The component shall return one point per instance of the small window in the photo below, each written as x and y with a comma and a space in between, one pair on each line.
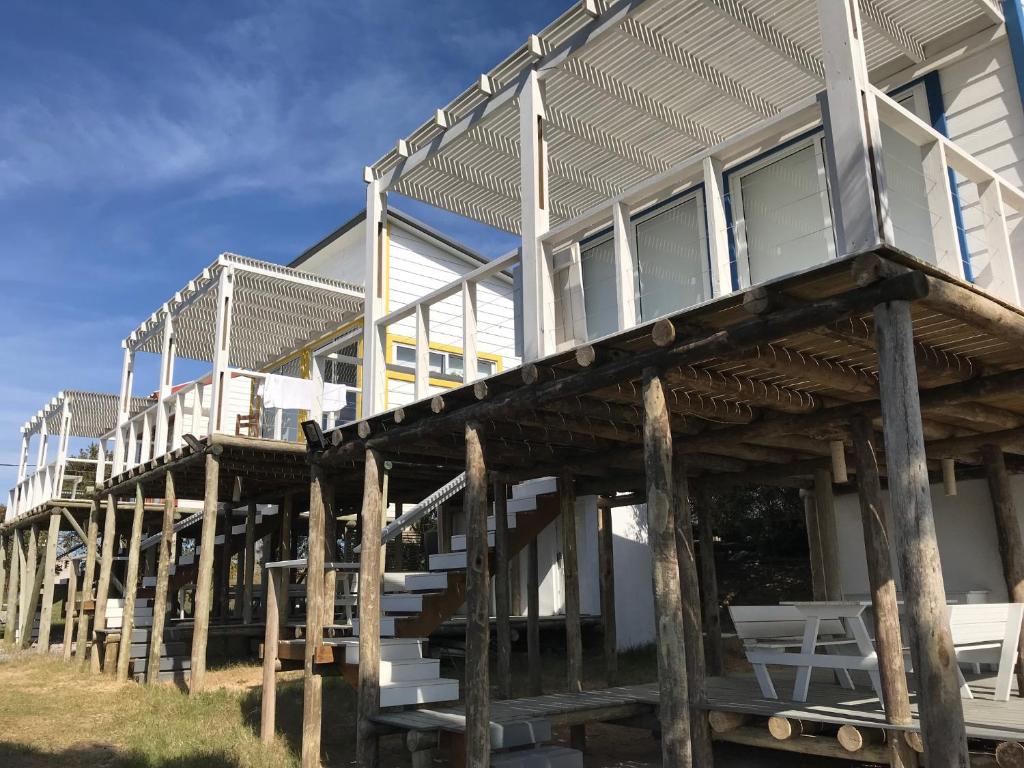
437, 363
405, 354
485, 367
448, 364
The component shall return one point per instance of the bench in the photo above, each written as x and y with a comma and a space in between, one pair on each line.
988, 633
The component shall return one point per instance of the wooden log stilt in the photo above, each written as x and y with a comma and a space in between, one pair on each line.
103, 583
271, 635
533, 619
855, 738
723, 722
69, 611
131, 584
818, 580
49, 572
284, 552
672, 682
163, 575
693, 627
29, 589
92, 531
1010, 754
13, 588
223, 564
502, 593
941, 711
606, 566
570, 570
1008, 535
330, 554
371, 518
478, 629
825, 503
820, 747
3, 568
888, 642
713, 650
240, 566
249, 576
204, 574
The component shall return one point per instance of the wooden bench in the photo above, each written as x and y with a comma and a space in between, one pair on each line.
988, 633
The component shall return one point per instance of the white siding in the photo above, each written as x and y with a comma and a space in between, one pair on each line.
343, 259
634, 595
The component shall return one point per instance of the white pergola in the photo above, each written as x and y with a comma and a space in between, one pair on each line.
238, 313
614, 94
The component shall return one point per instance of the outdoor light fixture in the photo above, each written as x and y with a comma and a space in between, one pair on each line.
193, 442
314, 436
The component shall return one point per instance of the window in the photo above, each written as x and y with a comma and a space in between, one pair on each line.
671, 259
441, 364
599, 292
783, 217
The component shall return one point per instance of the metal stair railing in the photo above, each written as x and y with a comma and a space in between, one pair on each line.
454, 486
181, 525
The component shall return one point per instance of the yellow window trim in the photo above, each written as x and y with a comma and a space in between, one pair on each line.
309, 348
389, 375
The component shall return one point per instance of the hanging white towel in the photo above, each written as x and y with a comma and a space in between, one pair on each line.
335, 397
287, 392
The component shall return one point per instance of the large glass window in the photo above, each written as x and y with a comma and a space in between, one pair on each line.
671, 269
783, 222
598, 267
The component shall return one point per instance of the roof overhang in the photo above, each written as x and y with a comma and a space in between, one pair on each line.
274, 310
635, 86
93, 414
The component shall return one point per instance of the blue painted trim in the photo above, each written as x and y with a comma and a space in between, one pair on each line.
1013, 15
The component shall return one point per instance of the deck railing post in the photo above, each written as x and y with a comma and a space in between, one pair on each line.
167, 353
624, 240
92, 530
888, 642
469, 321
131, 583
221, 376
371, 515
375, 302
941, 711
204, 575
123, 408
478, 623
674, 708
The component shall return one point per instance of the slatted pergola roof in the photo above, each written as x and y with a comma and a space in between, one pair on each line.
93, 414
635, 86
275, 310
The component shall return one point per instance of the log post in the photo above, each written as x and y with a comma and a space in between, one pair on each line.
826, 507
693, 627
709, 586
818, 580
888, 643
674, 711
29, 589
371, 518
82, 644
3, 568
533, 618
941, 711
103, 584
13, 588
502, 594
240, 567
69, 611
606, 566
204, 575
249, 575
284, 552
223, 564
312, 688
478, 625
163, 575
49, 572
1008, 535
271, 635
331, 554
131, 583
570, 569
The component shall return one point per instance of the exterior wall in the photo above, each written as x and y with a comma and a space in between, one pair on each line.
342, 259
966, 534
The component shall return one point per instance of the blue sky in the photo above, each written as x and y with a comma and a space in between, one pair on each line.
140, 139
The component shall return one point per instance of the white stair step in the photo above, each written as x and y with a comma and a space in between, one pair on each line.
415, 582
187, 559
448, 562
510, 517
459, 541
391, 648
519, 506
404, 694
410, 670
541, 757
535, 487
387, 626
520, 733
401, 603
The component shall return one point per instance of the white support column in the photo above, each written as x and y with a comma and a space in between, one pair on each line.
221, 348
145, 438
132, 441
316, 373
20, 491
179, 421
421, 385
535, 217
124, 408
718, 227
625, 266
374, 302
852, 131
62, 446
163, 408
41, 461
101, 460
1002, 275
469, 311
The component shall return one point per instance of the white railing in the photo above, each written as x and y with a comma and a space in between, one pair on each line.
72, 478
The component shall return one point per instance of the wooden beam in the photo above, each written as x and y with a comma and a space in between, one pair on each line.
502, 594
204, 576
888, 642
533, 619
478, 625
367, 748
693, 626
755, 392
250, 562
131, 584
1008, 534
713, 650
674, 709
163, 576
606, 568
49, 570
103, 585
941, 711
82, 643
